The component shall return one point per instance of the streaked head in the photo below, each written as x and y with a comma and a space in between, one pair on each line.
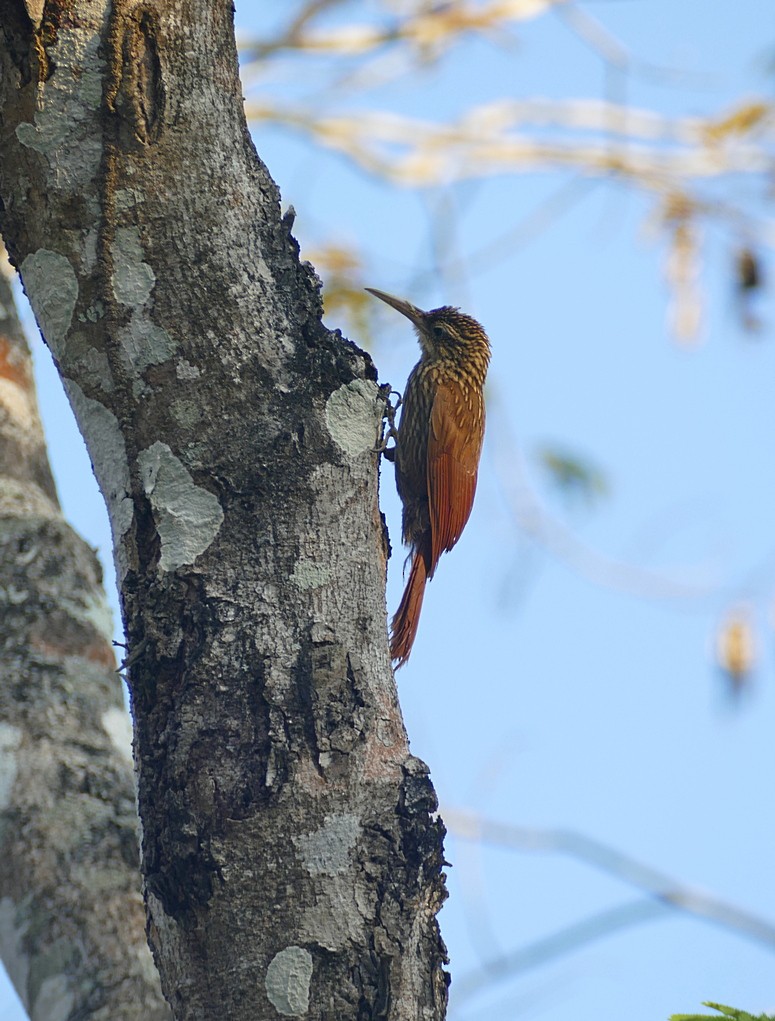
444, 332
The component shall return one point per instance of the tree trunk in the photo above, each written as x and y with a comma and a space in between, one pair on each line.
71, 915
291, 859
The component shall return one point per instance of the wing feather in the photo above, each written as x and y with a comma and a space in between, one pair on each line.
454, 445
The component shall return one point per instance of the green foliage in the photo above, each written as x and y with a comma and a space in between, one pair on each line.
572, 476
732, 1012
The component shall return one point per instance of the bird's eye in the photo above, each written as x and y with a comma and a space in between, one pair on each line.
438, 332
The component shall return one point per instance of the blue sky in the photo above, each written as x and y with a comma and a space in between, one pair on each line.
541, 692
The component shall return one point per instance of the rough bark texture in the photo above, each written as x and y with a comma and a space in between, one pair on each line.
71, 914
291, 857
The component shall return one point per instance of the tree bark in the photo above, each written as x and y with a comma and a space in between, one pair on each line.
71, 914
291, 855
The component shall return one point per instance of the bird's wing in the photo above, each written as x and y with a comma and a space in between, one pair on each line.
454, 445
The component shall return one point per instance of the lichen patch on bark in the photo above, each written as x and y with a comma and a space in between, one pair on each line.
187, 516
10, 739
133, 278
185, 370
352, 416
288, 980
52, 287
64, 107
15, 960
327, 850
54, 1001
145, 343
110, 462
307, 574
335, 920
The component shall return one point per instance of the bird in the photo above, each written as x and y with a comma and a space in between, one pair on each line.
438, 443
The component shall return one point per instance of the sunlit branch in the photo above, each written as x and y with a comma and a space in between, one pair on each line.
492, 138
565, 941
435, 27
665, 889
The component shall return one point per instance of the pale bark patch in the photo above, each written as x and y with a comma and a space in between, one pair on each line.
187, 516
35, 11
10, 739
109, 459
25, 499
52, 288
118, 727
288, 979
326, 851
54, 1001
352, 416
15, 961
133, 278
89, 251
16, 403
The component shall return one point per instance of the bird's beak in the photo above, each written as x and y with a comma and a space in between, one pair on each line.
406, 308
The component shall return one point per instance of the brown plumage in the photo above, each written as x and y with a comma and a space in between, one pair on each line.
437, 450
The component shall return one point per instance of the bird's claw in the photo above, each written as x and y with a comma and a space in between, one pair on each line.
389, 416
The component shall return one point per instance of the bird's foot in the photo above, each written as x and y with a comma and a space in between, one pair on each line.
389, 417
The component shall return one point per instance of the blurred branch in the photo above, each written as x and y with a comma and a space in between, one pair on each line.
434, 27
454, 269
594, 139
535, 520
613, 52
565, 941
663, 888
655, 151
289, 38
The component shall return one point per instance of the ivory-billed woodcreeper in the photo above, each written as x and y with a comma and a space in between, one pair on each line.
438, 443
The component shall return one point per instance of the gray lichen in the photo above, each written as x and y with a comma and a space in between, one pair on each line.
15, 960
187, 516
52, 287
288, 979
10, 739
307, 574
65, 105
352, 416
327, 850
108, 450
133, 278
144, 343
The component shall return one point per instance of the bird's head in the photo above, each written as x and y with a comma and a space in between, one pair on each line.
444, 333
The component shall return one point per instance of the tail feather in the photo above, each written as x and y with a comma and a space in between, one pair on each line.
403, 628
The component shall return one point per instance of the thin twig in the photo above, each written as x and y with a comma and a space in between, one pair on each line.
565, 941
534, 520
663, 888
613, 52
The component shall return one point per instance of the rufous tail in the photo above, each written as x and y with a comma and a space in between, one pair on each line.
403, 628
